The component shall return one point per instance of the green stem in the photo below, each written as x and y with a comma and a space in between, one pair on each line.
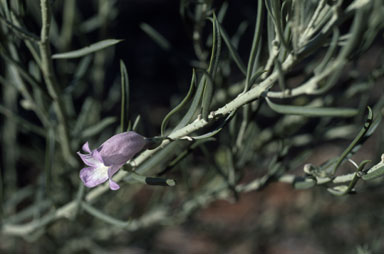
50, 81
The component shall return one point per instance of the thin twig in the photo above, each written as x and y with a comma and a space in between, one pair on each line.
50, 81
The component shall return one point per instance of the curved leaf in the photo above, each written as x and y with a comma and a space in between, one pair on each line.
232, 51
194, 105
311, 111
124, 96
356, 141
339, 190
181, 104
213, 65
86, 50
374, 172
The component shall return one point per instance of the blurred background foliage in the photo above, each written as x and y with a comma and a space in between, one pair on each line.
273, 109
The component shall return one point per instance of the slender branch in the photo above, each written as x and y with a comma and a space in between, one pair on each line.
50, 81
68, 210
24, 34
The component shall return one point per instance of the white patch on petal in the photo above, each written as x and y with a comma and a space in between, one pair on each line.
94, 176
100, 172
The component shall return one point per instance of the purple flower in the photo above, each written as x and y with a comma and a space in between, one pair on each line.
106, 160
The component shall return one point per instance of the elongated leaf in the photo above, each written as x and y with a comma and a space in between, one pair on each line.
87, 50
156, 36
232, 51
22, 122
159, 159
23, 72
374, 172
255, 44
102, 216
187, 98
20, 31
207, 95
212, 69
338, 190
136, 123
280, 72
49, 158
356, 141
217, 129
256, 75
311, 111
124, 96
81, 70
82, 117
303, 183
331, 50
355, 32
222, 11
274, 11
95, 129
194, 106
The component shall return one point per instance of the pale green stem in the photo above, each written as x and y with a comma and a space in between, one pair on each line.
49, 78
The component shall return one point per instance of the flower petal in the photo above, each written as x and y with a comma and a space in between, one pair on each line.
89, 160
121, 147
86, 148
106, 160
93, 176
113, 185
111, 171
96, 155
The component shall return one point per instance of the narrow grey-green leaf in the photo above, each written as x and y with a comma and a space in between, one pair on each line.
255, 44
311, 111
20, 31
280, 73
136, 123
102, 216
81, 70
124, 96
338, 190
82, 117
155, 36
374, 172
355, 32
304, 183
232, 51
274, 12
256, 75
87, 50
356, 141
331, 50
181, 155
159, 159
23, 72
207, 95
22, 122
212, 69
187, 98
95, 129
194, 105
217, 129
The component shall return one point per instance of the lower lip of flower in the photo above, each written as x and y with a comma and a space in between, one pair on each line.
99, 173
